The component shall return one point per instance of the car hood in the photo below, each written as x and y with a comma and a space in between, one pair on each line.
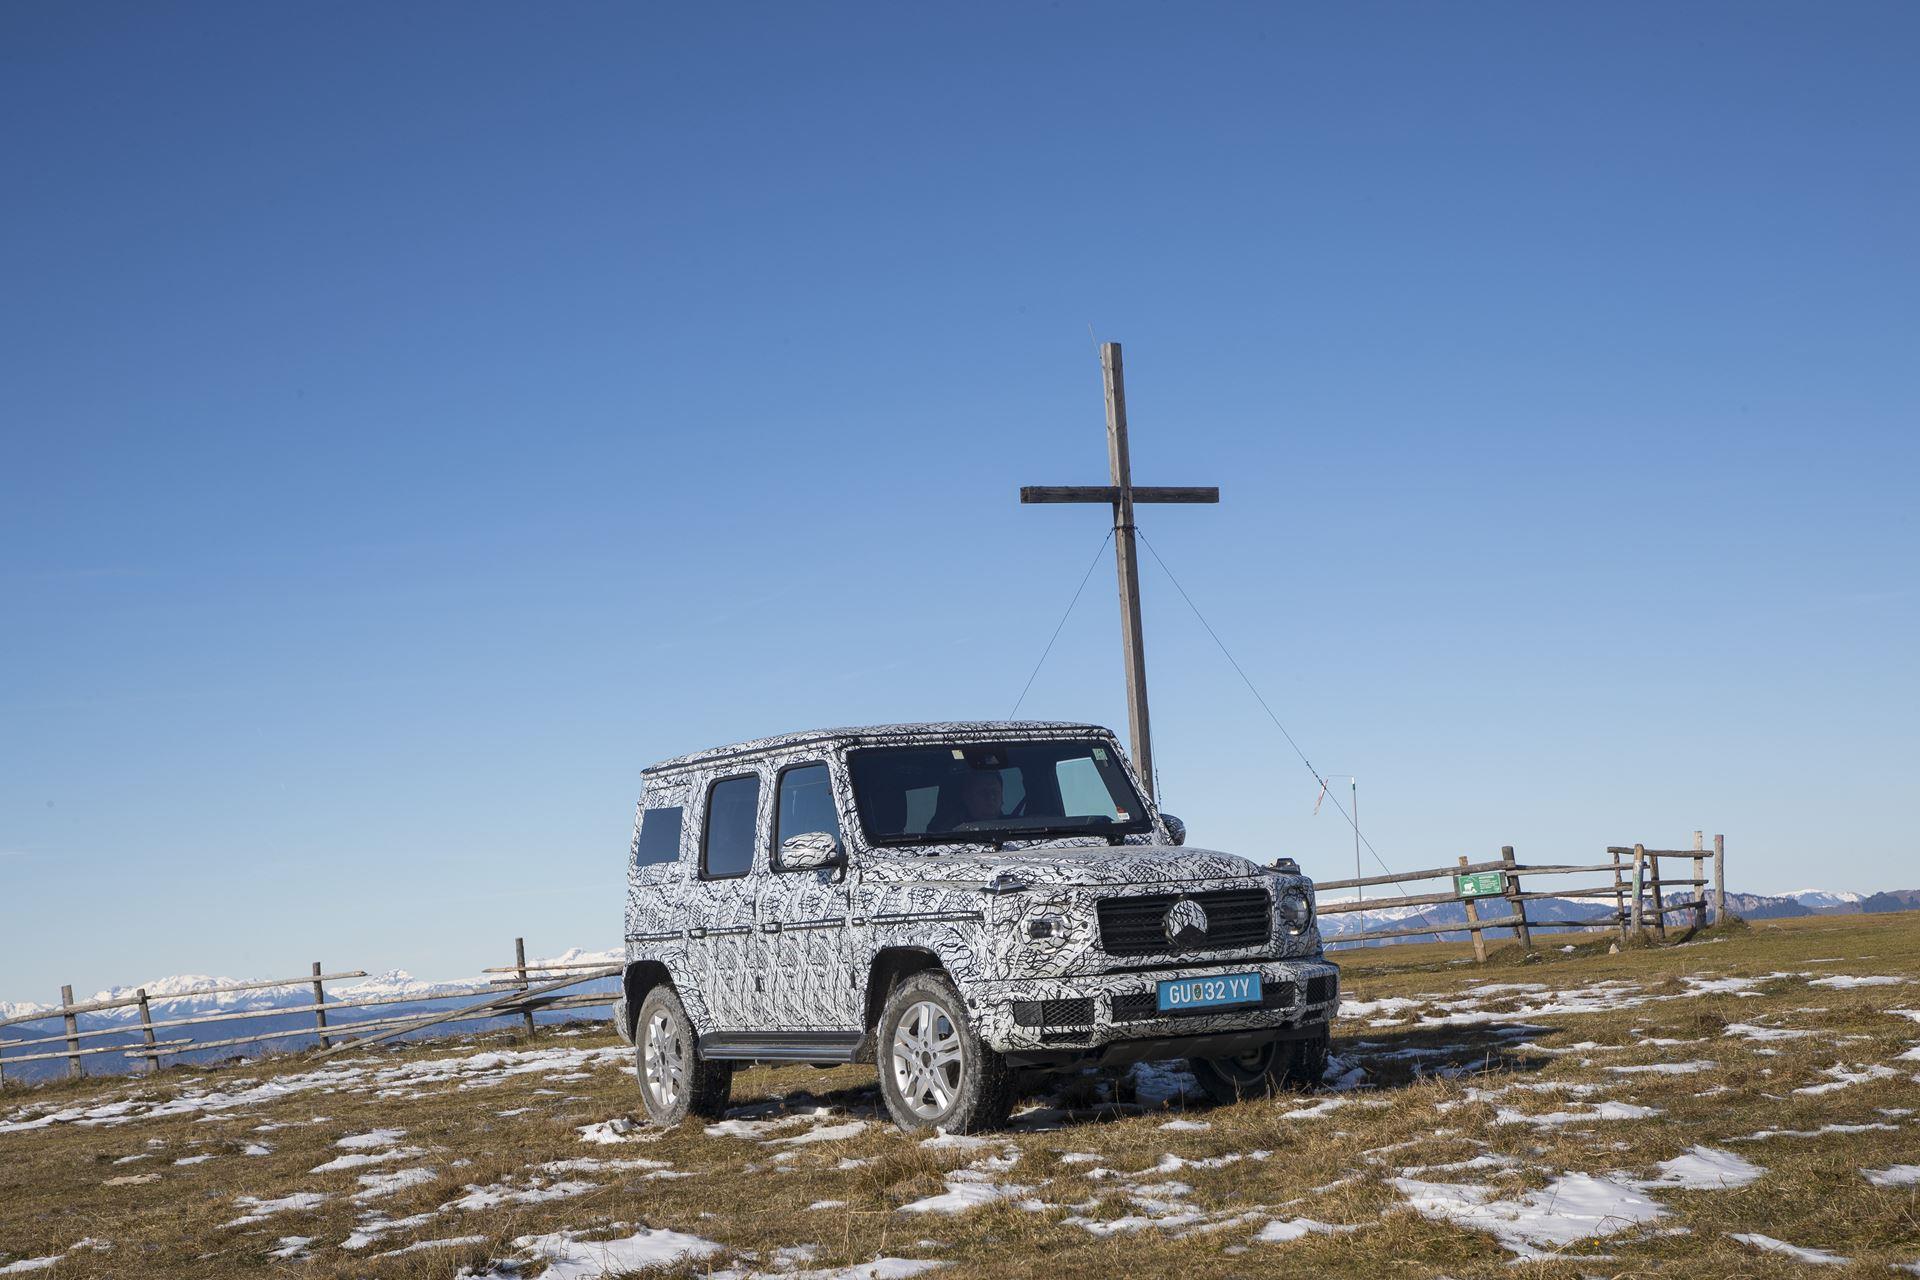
1087, 864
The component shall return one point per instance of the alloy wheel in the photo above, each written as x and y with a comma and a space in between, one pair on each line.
666, 1061
928, 1060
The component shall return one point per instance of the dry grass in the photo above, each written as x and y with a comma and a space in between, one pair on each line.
1434, 1094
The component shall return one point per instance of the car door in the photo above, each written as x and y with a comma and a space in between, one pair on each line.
803, 934
720, 903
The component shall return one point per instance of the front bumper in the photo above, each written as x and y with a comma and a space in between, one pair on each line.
1100, 1016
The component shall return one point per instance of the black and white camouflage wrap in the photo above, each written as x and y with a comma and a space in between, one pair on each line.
791, 951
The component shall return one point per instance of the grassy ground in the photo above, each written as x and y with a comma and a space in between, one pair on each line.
1453, 1069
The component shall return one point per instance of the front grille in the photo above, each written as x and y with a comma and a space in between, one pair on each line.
1144, 1006
1322, 987
1077, 1012
1137, 926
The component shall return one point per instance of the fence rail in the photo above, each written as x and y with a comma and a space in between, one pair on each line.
1637, 888
532, 988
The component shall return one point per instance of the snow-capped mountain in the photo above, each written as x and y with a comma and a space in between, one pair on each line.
1824, 900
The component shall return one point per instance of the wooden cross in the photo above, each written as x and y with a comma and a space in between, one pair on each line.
1123, 494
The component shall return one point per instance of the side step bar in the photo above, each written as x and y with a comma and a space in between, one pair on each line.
784, 1046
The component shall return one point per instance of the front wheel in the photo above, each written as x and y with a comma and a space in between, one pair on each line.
935, 1071
675, 1081
1275, 1066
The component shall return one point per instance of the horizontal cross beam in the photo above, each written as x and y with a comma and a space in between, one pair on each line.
1111, 493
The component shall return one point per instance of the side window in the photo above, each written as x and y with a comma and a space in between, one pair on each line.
659, 837
804, 803
726, 844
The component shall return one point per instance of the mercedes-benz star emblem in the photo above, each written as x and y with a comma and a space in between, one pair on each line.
1186, 923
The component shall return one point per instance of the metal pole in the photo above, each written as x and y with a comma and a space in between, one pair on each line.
1361, 891
1127, 563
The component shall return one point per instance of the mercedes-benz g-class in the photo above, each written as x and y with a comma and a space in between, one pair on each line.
961, 904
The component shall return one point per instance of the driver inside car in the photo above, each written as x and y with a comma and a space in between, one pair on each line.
982, 797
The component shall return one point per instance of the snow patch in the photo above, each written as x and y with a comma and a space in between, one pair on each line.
1899, 1175
1814, 1257
258, 1210
570, 1258
1574, 1207
1705, 1169
1281, 1230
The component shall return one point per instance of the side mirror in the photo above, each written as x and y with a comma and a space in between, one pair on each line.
811, 851
1176, 829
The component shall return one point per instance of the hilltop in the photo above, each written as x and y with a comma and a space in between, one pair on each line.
1730, 1106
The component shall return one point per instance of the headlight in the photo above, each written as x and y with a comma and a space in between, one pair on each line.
1296, 911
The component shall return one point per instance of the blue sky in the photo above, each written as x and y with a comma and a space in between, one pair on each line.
418, 418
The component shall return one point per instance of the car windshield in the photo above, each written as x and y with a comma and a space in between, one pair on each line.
957, 793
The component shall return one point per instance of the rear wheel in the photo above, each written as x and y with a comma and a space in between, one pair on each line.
675, 1081
1274, 1067
935, 1071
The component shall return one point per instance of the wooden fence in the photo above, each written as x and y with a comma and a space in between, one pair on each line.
526, 989
1636, 885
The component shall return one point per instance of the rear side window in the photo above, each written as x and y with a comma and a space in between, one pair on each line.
659, 837
733, 810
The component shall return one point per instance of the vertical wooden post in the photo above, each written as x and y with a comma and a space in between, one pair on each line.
1473, 923
520, 961
1719, 879
1511, 879
1659, 902
1128, 565
320, 1007
1639, 879
74, 1069
1619, 895
1699, 882
146, 1028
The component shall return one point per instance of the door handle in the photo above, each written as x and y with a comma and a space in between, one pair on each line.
771, 926
697, 933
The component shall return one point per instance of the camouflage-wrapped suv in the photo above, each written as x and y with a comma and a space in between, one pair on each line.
961, 904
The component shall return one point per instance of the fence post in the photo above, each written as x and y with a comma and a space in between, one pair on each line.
1473, 924
320, 1007
146, 1028
1719, 879
1619, 895
1659, 900
1639, 879
1699, 881
1511, 879
74, 1069
520, 961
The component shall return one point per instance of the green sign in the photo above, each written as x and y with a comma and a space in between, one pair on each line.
1478, 885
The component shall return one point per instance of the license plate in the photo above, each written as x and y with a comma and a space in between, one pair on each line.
1206, 993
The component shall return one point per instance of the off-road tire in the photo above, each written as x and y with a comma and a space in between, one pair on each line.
702, 1086
1276, 1067
979, 1094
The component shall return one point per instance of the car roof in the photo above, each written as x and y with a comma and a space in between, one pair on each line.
930, 730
